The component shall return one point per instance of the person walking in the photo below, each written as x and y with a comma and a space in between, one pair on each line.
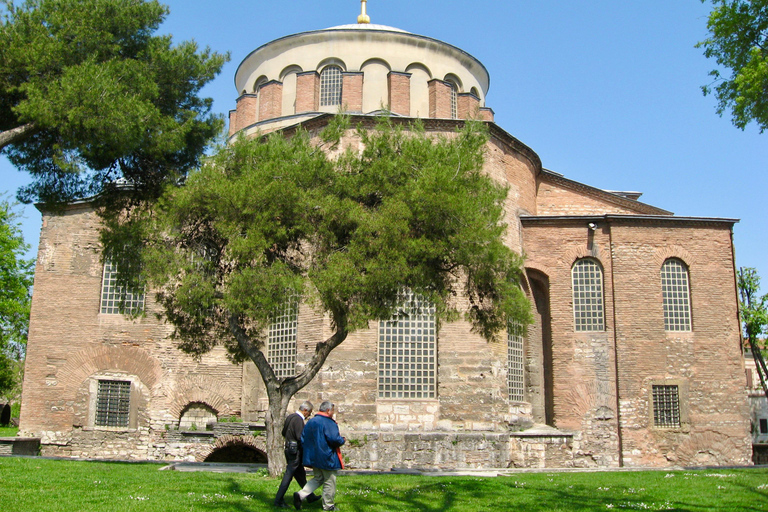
321, 441
294, 469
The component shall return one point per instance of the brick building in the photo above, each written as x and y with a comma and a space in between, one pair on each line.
634, 357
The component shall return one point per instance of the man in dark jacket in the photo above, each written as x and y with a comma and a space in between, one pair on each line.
292, 429
321, 441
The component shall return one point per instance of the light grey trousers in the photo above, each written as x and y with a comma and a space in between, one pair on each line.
326, 478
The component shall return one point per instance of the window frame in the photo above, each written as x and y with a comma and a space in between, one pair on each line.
331, 87
417, 380
115, 300
682, 404
515, 362
676, 302
588, 305
282, 339
132, 399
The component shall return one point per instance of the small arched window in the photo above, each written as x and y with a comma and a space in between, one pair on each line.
588, 312
330, 86
675, 295
454, 99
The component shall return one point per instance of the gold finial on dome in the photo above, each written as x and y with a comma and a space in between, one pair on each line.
363, 18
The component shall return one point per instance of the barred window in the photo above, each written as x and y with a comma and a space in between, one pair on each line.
666, 406
113, 403
407, 351
515, 366
587, 295
454, 100
763, 426
115, 299
330, 86
675, 296
281, 342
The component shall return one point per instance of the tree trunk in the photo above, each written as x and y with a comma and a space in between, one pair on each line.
280, 393
17, 134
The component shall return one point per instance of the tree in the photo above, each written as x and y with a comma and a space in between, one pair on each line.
738, 42
753, 311
15, 286
89, 96
274, 220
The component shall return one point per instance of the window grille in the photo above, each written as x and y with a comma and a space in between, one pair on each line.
675, 296
282, 339
407, 351
330, 86
113, 403
666, 406
115, 299
515, 364
454, 100
588, 296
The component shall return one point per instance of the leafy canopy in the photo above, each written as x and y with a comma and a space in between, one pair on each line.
737, 41
285, 216
752, 307
89, 95
15, 287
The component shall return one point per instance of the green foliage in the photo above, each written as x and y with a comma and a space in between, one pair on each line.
15, 296
738, 36
266, 220
753, 309
57, 485
100, 97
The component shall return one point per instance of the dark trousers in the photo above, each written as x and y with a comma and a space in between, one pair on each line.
293, 469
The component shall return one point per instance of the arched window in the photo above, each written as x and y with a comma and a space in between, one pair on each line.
281, 341
675, 295
587, 277
330, 86
408, 351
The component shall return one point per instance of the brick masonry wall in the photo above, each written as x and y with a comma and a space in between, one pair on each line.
71, 343
399, 93
352, 91
439, 99
247, 111
270, 100
308, 92
706, 362
468, 106
553, 199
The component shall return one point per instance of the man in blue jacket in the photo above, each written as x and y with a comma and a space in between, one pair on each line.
321, 441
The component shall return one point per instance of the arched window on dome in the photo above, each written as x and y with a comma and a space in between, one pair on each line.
675, 295
330, 86
588, 313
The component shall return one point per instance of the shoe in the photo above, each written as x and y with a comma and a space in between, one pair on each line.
297, 500
313, 498
281, 504
332, 508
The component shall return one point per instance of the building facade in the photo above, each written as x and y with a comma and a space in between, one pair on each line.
634, 358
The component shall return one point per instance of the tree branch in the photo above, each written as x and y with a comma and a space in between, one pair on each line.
17, 134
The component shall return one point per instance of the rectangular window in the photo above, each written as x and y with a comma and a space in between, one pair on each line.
115, 299
113, 401
666, 406
763, 425
281, 350
407, 351
515, 362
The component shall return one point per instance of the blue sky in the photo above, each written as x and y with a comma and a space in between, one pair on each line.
605, 92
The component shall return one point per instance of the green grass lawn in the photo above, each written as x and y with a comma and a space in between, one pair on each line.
8, 431
46, 485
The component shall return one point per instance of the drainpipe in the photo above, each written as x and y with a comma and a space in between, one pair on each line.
615, 345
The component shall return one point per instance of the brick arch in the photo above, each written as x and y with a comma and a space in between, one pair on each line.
89, 361
197, 389
576, 253
256, 442
662, 254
